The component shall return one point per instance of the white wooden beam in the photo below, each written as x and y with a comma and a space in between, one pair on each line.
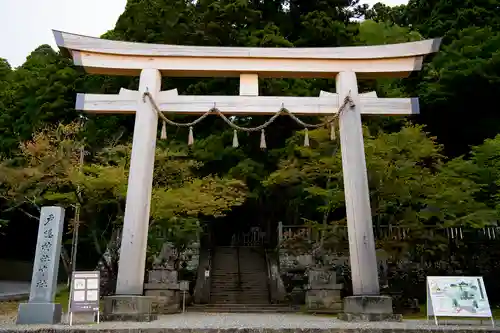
111, 64
389, 106
249, 85
323, 93
69, 41
244, 105
102, 56
134, 94
371, 104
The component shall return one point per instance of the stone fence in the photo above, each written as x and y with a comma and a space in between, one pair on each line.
393, 232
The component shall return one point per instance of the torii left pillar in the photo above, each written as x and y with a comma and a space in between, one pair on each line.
129, 304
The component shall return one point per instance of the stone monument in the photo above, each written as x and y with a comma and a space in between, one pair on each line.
323, 292
163, 282
41, 308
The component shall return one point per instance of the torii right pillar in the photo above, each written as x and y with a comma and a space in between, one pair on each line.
366, 302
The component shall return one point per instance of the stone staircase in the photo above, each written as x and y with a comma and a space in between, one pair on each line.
249, 286
239, 290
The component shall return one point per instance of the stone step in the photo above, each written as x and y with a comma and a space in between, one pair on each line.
242, 283
237, 292
238, 301
243, 275
245, 308
230, 272
243, 280
238, 287
247, 286
247, 299
234, 299
223, 284
238, 296
235, 289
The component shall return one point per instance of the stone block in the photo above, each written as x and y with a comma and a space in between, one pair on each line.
129, 308
320, 278
363, 317
368, 304
305, 260
161, 286
39, 313
162, 276
171, 295
165, 301
368, 308
324, 300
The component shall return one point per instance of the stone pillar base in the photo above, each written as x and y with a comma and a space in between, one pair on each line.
128, 308
39, 313
368, 308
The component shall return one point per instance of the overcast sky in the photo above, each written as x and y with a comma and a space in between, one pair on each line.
26, 24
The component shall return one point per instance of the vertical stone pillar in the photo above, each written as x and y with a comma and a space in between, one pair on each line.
366, 304
40, 308
132, 262
357, 200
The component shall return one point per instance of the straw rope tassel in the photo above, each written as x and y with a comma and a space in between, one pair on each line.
263, 139
235, 139
332, 131
163, 134
306, 137
191, 136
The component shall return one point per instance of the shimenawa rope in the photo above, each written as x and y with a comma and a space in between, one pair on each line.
283, 111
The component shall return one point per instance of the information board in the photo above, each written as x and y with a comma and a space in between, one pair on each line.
457, 296
84, 295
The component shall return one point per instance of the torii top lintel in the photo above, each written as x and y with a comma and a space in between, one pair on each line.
101, 56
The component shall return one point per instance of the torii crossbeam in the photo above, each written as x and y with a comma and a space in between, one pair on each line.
151, 61
169, 101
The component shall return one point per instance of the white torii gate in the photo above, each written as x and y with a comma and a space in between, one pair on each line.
151, 61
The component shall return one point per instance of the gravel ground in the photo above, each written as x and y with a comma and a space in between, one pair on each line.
207, 322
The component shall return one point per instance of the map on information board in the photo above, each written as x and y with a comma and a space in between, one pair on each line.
84, 293
457, 296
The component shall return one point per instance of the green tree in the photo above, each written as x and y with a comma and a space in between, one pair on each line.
410, 186
458, 88
41, 92
447, 18
48, 170
5, 69
386, 14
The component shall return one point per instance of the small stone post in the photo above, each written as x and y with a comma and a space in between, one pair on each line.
280, 232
